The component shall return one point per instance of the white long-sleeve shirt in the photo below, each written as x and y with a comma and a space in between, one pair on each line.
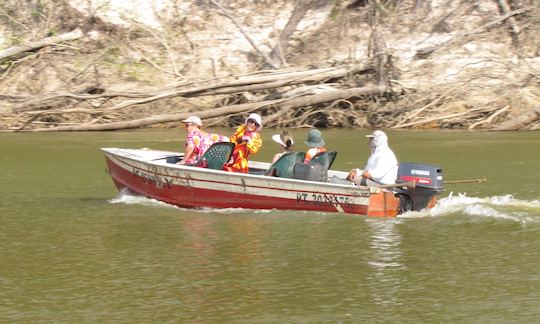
382, 165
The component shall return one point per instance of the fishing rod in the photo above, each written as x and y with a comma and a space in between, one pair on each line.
479, 180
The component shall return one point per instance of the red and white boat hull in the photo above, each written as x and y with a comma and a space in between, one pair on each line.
147, 173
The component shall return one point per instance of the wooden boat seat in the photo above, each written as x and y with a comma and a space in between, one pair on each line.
216, 156
324, 159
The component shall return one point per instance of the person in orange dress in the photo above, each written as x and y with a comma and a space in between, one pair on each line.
315, 143
248, 141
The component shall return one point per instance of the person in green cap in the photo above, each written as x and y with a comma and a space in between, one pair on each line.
315, 143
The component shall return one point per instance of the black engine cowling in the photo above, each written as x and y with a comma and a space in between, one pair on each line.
429, 183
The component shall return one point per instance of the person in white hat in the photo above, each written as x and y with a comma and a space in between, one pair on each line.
382, 165
197, 141
248, 141
286, 141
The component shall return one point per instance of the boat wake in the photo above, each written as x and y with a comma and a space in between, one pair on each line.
478, 209
125, 197
473, 209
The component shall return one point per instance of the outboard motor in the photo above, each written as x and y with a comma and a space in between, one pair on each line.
429, 183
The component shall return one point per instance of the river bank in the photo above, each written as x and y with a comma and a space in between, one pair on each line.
401, 64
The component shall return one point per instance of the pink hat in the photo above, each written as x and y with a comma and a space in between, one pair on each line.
193, 119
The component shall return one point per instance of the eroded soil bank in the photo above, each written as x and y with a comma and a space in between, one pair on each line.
95, 65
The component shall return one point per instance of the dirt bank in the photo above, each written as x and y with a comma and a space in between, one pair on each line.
83, 65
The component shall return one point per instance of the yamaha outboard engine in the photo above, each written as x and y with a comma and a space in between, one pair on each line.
429, 183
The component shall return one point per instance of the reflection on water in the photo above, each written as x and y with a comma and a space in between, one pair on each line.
385, 243
69, 252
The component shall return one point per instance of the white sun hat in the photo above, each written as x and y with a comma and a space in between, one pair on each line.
193, 119
257, 118
378, 134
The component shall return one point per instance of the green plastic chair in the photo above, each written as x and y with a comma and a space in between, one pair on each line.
216, 156
324, 158
283, 167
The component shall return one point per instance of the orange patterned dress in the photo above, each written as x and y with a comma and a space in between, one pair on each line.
246, 144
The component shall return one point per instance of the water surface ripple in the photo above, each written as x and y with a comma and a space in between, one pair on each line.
75, 250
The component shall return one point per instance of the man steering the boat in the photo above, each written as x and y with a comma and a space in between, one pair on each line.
248, 141
382, 165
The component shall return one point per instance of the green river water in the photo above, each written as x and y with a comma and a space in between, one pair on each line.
74, 250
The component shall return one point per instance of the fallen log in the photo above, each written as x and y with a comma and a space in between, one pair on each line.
519, 122
282, 104
236, 85
158, 119
437, 118
328, 96
31, 46
490, 119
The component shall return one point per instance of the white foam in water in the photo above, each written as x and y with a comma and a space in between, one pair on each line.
497, 207
124, 197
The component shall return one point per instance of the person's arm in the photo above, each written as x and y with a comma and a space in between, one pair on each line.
188, 152
237, 136
276, 157
367, 175
254, 144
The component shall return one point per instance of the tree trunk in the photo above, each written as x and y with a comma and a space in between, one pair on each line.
277, 56
15, 50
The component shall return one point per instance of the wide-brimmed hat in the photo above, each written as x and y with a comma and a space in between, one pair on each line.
257, 118
283, 138
314, 138
193, 119
378, 134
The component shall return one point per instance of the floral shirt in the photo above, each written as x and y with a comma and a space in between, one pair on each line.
201, 141
198, 139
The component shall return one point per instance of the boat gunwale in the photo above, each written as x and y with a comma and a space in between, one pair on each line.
163, 164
